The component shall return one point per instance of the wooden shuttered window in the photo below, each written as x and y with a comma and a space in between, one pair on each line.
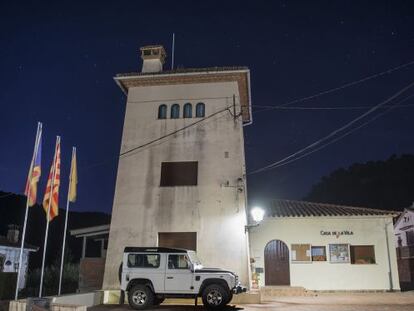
179, 174
362, 254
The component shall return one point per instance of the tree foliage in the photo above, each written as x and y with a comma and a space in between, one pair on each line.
376, 184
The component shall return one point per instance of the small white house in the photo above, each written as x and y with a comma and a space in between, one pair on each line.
10, 251
404, 228
324, 247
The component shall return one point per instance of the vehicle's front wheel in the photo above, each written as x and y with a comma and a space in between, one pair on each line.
215, 296
140, 297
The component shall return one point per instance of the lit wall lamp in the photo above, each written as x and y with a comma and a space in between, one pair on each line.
257, 215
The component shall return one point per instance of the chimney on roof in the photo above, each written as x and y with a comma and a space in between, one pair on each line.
153, 57
13, 234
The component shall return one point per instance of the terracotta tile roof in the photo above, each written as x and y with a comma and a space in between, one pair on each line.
289, 208
5, 242
183, 70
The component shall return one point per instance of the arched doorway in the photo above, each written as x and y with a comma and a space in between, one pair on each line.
276, 258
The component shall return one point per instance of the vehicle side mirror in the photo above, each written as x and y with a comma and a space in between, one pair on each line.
192, 267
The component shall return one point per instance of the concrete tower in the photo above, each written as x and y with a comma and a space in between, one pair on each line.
185, 186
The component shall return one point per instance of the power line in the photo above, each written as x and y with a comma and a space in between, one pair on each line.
328, 108
270, 108
335, 132
7, 195
159, 138
341, 87
336, 139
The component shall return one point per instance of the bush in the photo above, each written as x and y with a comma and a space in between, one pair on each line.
51, 281
7, 285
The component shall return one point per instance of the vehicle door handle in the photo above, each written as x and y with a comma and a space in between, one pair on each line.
170, 277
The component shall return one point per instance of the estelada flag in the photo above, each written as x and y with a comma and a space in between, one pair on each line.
35, 170
52, 190
73, 179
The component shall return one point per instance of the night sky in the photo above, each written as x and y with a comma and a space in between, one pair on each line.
57, 60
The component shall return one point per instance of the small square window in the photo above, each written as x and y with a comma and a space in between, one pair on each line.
339, 253
362, 254
318, 253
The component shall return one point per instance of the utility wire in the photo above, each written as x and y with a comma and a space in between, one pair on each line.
271, 108
328, 108
159, 138
335, 132
336, 139
331, 142
346, 85
7, 195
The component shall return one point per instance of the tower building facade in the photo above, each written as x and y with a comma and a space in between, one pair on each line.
181, 175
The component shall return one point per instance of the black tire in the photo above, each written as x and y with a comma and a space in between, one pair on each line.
215, 296
229, 298
158, 301
140, 297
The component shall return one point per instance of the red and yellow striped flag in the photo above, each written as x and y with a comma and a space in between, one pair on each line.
53, 190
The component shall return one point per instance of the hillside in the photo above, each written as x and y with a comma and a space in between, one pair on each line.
12, 210
385, 184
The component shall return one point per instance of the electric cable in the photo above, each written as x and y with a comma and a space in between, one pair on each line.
344, 86
335, 132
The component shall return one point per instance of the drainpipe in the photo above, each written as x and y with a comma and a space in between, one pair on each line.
389, 258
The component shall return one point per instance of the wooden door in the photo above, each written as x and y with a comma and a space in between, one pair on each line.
276, 256
186, 240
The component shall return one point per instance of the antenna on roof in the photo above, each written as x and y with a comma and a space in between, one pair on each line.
172, 51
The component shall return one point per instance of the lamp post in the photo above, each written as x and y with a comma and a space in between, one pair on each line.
257, 215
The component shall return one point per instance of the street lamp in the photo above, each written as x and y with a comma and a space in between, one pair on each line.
257, 215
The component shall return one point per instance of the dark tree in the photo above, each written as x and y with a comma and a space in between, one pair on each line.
377, 184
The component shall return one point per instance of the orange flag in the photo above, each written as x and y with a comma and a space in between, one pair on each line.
52, 191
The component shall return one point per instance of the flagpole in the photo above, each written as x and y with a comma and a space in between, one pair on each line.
48, 216
37, 140
66, 224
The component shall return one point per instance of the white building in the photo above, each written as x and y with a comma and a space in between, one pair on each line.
404, 228
10, 251
324, 247
181, 178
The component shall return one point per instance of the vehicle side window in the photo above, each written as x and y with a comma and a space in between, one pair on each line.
143, 260
178, 262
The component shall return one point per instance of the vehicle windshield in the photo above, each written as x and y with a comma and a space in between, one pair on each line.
194, 259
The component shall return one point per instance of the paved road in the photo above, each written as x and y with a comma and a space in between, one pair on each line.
322, 302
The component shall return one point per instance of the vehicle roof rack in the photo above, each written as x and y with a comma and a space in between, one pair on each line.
131, 249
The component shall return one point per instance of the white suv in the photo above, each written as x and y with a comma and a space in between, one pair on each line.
149, 275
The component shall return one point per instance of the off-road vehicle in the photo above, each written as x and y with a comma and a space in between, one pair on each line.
149, 275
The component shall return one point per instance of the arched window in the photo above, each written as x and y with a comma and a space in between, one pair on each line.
200, 110
188, 110
162, 112
175, 111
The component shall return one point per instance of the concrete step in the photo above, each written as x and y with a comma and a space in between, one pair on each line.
283, 291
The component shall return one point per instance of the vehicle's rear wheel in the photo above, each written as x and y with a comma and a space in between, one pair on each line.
140, 297
215, 296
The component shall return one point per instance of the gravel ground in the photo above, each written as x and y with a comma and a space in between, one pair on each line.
322, 302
